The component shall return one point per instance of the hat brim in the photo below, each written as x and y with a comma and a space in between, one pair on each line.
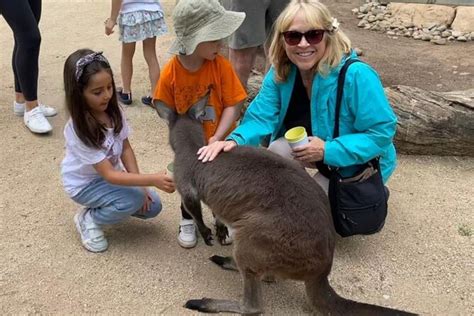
221, 28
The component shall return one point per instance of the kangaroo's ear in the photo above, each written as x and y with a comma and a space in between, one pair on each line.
197, 110
164, 111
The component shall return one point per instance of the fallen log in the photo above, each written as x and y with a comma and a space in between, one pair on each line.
433, 123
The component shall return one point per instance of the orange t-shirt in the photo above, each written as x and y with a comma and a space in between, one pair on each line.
180, 89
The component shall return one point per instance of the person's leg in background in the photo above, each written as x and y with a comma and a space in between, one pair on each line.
149, 52
126, 67
244, 42
23, 17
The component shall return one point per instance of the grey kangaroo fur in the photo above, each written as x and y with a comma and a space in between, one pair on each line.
281, 217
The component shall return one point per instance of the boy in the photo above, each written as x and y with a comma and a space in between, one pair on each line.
198, 70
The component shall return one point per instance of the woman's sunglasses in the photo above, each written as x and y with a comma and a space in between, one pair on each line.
313, 37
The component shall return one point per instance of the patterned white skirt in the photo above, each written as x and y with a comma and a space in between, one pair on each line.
140, 25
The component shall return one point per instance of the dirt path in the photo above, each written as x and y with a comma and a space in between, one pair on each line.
421, 261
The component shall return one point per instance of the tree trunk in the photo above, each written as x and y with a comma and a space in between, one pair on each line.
433, 123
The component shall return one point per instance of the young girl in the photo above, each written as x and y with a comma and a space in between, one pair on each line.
199, 71
139, 20
99, 170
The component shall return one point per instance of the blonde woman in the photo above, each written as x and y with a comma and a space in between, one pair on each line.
307, 52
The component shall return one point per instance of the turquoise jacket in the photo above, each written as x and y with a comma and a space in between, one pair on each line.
367, 122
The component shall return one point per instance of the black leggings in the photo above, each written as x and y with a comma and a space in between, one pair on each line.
23, 17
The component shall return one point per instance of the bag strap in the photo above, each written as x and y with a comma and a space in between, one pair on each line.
340, 87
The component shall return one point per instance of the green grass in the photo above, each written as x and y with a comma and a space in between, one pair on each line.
465, 230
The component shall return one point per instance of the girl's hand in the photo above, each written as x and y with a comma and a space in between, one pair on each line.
163, 182
146, 204
209, 152
311, 152
109, 26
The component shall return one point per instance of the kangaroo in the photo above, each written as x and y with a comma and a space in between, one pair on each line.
281, 217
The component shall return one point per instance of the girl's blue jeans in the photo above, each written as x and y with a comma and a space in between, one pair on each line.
110, 204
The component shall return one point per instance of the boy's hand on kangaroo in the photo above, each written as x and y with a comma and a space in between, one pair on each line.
164, 182
209, 152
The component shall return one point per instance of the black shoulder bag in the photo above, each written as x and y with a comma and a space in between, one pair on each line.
358, 203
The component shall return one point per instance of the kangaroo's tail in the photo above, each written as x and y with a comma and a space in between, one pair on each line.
323, 298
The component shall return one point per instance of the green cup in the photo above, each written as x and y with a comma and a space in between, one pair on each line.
170, 169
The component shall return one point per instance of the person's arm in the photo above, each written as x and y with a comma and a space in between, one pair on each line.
128, 158
229, 116
132, 177
374, 120
112, 20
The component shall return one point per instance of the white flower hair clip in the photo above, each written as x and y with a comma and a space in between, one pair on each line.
334, 25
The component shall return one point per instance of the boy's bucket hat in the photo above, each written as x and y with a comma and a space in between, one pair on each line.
197, 21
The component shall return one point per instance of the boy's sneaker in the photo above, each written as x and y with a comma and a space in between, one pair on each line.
92, 236
187, 233
19, 109
36, 121
147, 100
124, 98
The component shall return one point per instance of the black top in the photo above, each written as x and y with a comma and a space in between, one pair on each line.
299, 110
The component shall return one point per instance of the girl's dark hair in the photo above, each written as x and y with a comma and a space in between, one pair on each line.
89, 130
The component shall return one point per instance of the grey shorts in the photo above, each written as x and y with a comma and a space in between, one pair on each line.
260, 16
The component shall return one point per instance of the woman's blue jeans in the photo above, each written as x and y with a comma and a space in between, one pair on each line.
110, 204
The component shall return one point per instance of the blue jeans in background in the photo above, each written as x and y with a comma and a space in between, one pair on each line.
110, 204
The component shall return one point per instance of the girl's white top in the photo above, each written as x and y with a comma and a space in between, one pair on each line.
77, 169
140, 5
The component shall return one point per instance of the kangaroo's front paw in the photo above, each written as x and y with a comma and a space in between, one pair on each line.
207, 236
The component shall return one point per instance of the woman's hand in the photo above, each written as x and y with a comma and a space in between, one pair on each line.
209, 152
311, 152
109, 26
163, 182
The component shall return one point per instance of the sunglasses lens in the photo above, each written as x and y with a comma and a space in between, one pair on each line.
314, 36
292, 38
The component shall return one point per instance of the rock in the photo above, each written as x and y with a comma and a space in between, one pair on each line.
355, 11
426, 37
456, 33
446, 34
439, 41
407, 34
417, 36
362, 23
371, 18
436, 37
422, 14
464, 21
441, 28
451, 38
391, 33
462, 38
364, 8
379, 17
360, 16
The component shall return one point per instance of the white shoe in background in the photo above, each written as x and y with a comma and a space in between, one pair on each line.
19, 109
36, 121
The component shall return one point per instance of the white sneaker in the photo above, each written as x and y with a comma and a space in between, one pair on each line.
19, 109
92, 236
187, 233
36, 121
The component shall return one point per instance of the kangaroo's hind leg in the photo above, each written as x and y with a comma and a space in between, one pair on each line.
192, 205
251, 305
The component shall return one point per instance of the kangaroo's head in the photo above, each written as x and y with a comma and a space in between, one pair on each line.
185, 129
